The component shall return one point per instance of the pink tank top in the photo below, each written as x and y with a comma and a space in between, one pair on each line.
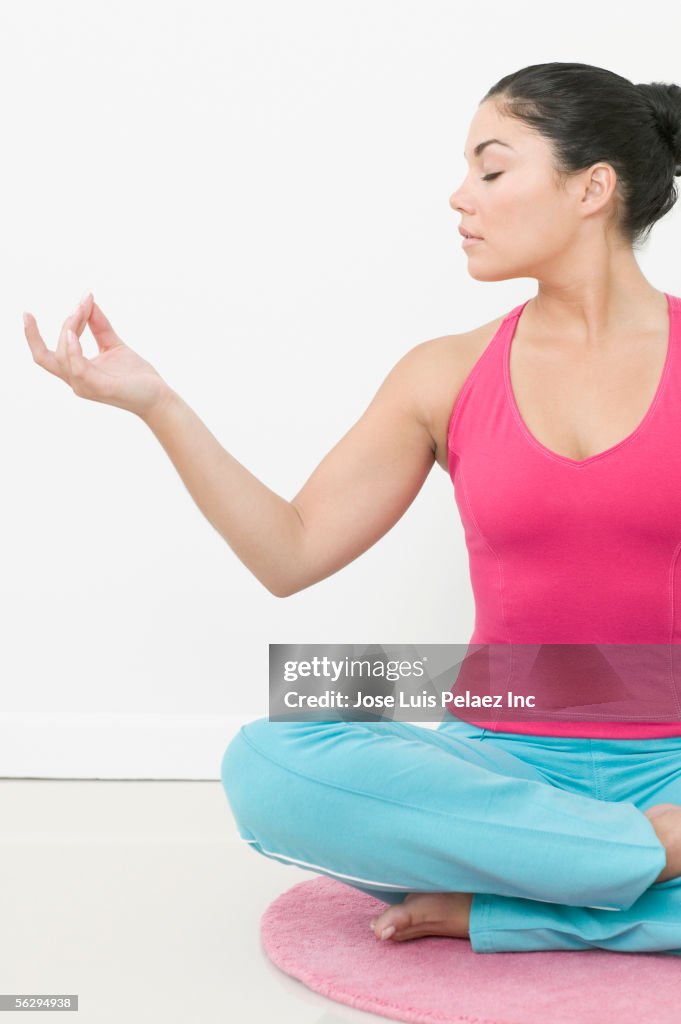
565, 551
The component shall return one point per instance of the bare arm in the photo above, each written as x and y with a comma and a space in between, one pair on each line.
369, 479
262, 528
355, 495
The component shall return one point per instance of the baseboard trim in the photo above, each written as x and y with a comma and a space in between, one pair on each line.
65, 745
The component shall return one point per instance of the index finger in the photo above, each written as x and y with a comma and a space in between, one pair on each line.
41, 354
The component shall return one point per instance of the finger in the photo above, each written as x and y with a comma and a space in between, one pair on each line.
103, 332
73, 357
85, 379
75, 321
41, 353
82, 312
77, 318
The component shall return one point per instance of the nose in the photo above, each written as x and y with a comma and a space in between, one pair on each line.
457, 200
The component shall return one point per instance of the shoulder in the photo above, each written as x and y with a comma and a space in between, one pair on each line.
434, 372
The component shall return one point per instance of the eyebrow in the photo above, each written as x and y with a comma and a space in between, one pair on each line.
488, 142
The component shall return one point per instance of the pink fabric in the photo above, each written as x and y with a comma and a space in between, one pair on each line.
563, 551
318, 932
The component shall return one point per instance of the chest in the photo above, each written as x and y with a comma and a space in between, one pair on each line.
578, 402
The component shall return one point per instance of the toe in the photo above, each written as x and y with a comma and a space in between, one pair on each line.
395, 917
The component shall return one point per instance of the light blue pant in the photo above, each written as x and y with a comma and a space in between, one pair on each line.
548, 832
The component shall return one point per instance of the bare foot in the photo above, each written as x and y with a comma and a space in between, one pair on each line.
448, 913
426, 913
666, 820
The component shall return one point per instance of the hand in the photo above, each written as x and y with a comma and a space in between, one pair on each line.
117, 376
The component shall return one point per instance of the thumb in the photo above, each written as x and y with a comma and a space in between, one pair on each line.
104, 334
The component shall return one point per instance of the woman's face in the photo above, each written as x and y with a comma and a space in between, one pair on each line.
529, 225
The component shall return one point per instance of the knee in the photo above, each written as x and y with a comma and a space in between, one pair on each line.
250, 771
234, 765
261, 741
257, 766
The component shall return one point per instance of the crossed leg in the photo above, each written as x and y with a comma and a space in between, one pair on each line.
394, 809
504, 924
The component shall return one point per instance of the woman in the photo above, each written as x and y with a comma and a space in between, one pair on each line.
548, 419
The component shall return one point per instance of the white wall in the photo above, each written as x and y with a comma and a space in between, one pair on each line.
257, 194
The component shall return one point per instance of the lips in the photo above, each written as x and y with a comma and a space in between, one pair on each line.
467, 234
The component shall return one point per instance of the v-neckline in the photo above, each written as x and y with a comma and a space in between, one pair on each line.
607, 451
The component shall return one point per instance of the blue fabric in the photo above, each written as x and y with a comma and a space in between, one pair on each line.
547, 831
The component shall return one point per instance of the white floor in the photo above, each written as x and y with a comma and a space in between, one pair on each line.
140, 898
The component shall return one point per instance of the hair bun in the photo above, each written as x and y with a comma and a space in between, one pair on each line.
664, 102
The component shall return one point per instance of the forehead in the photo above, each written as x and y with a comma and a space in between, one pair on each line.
510, 135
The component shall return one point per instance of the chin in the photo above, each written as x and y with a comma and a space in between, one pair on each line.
487, 274
479, 270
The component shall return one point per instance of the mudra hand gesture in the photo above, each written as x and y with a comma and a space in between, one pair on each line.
116, 376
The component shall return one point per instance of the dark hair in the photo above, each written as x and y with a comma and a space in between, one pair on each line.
590, 114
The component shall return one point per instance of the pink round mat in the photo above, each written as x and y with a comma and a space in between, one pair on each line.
318, 932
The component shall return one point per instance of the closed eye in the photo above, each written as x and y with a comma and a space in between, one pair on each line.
489, 177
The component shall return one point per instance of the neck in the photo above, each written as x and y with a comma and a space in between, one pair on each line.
599, 301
